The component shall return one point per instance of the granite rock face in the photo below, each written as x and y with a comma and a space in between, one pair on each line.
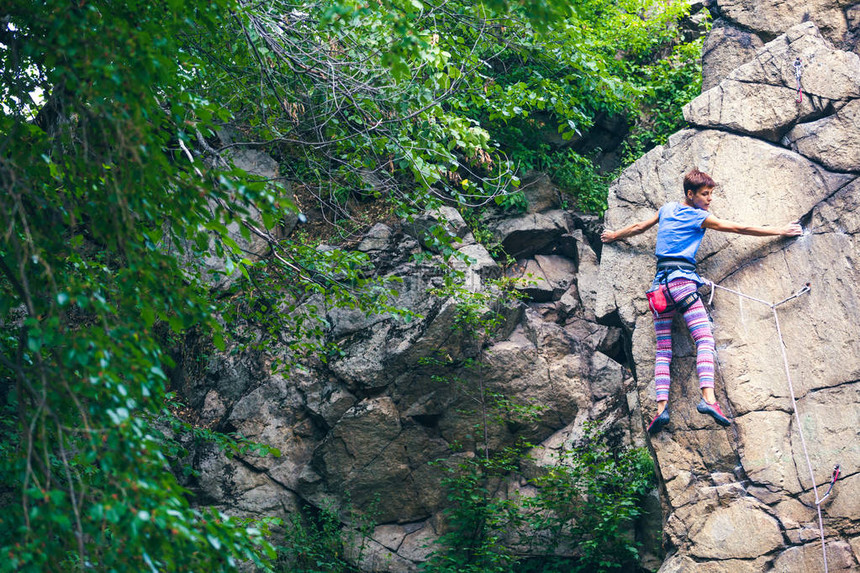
773, 17
833, 141
741, 27
740, 498
358, 432
759, 98
726, 47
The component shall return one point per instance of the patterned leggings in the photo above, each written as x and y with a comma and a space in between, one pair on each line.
699, 325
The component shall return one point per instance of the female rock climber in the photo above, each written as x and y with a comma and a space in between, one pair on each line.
681, 227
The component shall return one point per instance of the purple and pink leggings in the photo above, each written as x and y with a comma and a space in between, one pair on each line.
699, 325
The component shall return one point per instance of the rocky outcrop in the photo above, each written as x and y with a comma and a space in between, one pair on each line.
358, 432
740, 499
741, 27
759, 97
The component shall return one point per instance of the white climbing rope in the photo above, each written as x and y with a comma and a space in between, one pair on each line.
773, 306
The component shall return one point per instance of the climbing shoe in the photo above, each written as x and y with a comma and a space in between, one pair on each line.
658, 422
713, 410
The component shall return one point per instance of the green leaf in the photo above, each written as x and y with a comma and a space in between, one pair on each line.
148, 315
218, 341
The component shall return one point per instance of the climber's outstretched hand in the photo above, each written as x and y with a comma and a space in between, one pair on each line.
792, 229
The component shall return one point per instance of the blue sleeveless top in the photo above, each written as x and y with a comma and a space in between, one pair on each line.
679, 234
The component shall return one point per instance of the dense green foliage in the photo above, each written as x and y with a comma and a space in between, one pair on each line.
579, 518
451, 100
114, 182
92, 195
540, 91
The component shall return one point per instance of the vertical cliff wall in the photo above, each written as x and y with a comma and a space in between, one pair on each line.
359, 431
739, 499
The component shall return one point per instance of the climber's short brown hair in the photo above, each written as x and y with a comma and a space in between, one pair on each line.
696, 180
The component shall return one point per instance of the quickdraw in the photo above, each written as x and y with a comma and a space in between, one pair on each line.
798, 72
833, 479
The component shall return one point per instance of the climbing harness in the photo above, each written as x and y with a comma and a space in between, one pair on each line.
798, 72
773, 305
659, 296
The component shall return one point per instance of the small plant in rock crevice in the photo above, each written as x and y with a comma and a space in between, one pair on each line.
317, 541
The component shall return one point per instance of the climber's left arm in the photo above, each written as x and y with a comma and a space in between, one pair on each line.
788, 230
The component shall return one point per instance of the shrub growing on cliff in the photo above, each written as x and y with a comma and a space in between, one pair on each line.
478, 519
589, 501
315, 541
580, 517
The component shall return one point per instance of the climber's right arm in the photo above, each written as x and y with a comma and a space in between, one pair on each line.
629, 231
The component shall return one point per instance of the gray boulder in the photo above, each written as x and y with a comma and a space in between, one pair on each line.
377, 238
531, 234
833, 141
541, 194
444, 221
759, 97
